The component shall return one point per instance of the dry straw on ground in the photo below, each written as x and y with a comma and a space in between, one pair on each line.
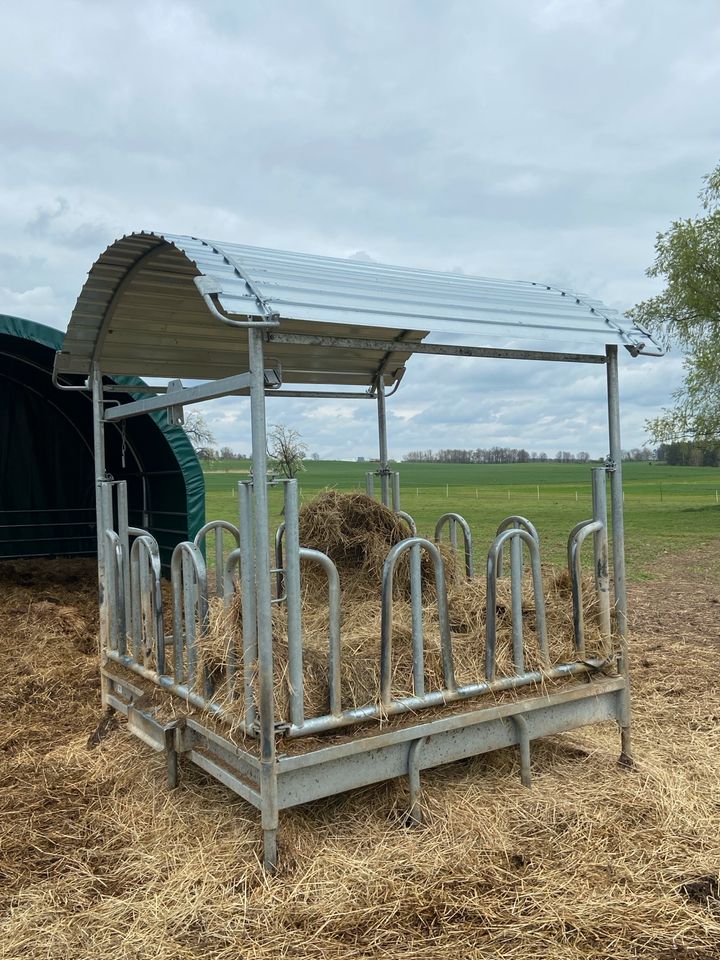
99, 859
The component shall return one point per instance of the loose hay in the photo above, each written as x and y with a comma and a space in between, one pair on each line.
357, 533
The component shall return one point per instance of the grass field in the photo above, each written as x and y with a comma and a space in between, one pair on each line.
666, 508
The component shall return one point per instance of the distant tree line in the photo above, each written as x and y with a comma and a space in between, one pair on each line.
492, 455
687, 453
517, 455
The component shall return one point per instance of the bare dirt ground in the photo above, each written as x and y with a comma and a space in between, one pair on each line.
98, 858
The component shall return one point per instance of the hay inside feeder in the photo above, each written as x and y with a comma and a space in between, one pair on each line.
357, 533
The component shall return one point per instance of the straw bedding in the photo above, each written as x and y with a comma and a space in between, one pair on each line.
98, 858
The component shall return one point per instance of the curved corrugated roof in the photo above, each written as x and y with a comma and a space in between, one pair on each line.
140, 311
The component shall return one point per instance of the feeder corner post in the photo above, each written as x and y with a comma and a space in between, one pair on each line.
383, 441
263, 595
101, 521
614, 468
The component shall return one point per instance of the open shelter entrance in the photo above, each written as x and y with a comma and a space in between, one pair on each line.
262, 323
47, 469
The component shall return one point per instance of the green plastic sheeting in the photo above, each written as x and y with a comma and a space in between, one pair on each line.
47, 489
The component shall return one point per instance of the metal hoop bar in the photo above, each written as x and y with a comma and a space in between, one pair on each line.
218, 526
454, 520
188, 575
575, 542
334, 647
601, 554
515, 521
491, 612
116, 590
387, 616
291, 575
409, 520
279, 583
146, 598
231, 564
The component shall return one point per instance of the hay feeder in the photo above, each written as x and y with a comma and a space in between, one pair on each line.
251, 322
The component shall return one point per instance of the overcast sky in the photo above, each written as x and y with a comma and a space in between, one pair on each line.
544, 140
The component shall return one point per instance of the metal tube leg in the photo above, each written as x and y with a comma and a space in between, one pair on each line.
171, 757
263, 593
396, 491
101, 520
383, 444
415, 817
618, 547
270, 850
524, 744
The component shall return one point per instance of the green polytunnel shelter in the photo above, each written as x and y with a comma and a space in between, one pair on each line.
47, 489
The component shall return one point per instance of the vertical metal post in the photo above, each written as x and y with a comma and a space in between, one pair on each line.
418, 652
370, 485
247, 585
600, 550
292, 591
396, 492
383, 444
263, 594
618, 541
100, 520
219, 561
122, 528
516, 580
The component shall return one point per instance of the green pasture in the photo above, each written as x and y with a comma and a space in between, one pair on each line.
667, 509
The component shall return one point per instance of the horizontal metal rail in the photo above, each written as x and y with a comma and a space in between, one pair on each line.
438, 698
434, 349
180, 396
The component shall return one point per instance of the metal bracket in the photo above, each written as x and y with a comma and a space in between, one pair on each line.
175, 413
415, 816
610, 465
521, 727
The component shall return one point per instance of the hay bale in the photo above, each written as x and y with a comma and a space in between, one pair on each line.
357, 533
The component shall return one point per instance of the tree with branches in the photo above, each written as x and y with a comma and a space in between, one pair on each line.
286, 450
199, 433
687, 314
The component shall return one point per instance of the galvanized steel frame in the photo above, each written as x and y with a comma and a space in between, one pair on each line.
129, 603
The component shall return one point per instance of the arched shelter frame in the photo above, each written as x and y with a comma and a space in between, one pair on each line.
255, 322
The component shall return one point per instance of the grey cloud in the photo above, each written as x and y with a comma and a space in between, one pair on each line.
520, 139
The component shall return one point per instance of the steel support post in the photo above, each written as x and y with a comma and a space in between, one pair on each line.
263, 593
383, 444
101, 520
618, 541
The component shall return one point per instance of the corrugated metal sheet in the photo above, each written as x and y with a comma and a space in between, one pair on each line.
140, 312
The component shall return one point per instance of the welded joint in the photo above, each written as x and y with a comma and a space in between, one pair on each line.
523, 735
415, 815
